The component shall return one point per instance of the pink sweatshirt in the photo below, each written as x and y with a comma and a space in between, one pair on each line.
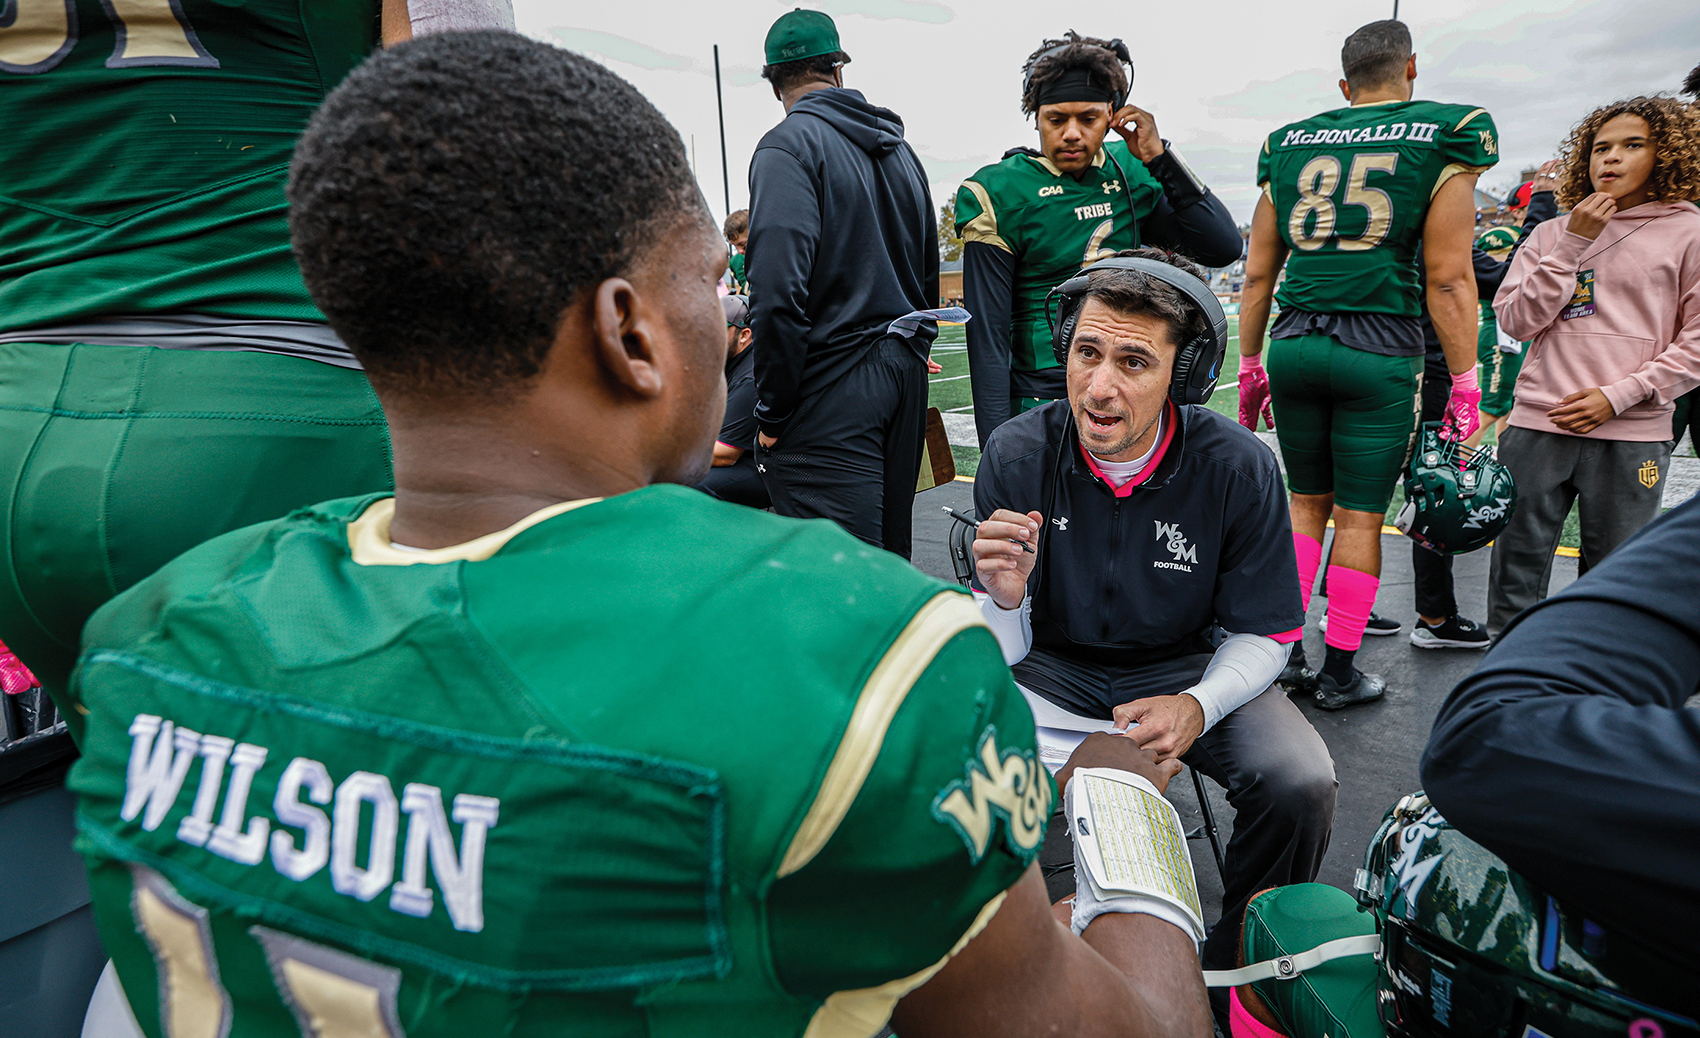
1636, 336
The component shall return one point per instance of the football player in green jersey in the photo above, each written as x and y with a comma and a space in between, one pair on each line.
488, 760
1347, 196
1030, 221
167, 376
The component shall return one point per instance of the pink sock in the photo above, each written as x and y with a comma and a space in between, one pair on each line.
1309, 551
1240, 1021
1351, 596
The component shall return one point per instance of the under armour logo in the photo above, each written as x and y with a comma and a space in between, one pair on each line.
1111, 186
1060, 522
760, 467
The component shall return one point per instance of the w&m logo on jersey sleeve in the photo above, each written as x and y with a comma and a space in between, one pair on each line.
1010, 784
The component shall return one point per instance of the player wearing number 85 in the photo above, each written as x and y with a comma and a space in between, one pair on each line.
1347, 196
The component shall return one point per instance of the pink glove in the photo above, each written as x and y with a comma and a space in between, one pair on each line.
1254, 393
14, 676
1463, 407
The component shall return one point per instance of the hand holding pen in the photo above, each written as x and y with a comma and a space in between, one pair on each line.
1004, 554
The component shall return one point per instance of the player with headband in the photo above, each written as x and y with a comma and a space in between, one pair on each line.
1033, 219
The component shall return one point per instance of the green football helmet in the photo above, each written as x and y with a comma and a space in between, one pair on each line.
1457, 498
1471, 949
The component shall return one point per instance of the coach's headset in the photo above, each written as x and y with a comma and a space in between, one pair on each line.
1198, 361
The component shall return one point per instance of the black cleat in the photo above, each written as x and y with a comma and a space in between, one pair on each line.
1297, 679
1364, 688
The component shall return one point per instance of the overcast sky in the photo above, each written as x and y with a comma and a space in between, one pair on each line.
1218, 76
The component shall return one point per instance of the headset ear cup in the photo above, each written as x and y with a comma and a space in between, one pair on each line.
1064, 333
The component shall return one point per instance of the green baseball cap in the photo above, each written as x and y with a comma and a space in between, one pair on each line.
801, 34
1497, 239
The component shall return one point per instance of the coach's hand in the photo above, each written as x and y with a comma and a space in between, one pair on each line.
1167, 724
999, 560
1581, 413
1103, 750
1139, 129
1591, 215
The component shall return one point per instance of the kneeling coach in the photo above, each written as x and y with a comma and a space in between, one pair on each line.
1160, 592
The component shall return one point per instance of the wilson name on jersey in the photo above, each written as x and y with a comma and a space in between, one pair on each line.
1351, 189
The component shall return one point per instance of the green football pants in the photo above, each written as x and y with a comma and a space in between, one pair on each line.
115, 459
1499, 379
1337, 998
1346, 418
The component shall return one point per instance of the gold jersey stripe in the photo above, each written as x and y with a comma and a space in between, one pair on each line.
1466, 120
984, 228
369, 537
864, 1012
946, 615
1453, 170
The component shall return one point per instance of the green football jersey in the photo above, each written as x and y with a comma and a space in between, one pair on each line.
1053, 225
651, 765
146, 146
1351, 189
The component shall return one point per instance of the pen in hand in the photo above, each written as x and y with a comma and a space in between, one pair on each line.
946, 509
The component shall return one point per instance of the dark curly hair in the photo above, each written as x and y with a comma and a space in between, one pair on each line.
1675, 129
454, 195
789, 73
1080, 52
1691, 85
1135, 292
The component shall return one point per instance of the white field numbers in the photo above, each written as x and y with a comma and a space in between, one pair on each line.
1317, 182
149, 32
332, 994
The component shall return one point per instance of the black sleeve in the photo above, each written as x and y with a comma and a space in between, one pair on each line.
784, 236
1570, 753
1489, 271
1257, 583
1188, 219
739, 427
988, 273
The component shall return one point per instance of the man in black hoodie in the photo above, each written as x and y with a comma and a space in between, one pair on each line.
842, 244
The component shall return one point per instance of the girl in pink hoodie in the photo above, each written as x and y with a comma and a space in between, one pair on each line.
1610, 296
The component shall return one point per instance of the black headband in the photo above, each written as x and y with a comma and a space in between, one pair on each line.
1074, 85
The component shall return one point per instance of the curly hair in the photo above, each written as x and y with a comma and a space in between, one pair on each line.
1073, 51
789, 73
450, 200
1675, 129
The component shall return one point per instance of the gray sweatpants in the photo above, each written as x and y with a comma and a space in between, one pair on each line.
1619, 485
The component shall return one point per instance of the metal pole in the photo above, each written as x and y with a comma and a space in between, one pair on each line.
1395, 10
720, 106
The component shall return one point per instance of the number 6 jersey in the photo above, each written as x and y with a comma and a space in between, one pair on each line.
1351, 189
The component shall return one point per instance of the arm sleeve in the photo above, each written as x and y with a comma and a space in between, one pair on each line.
1569, 751
1257, 577
988, 275
1490, 273
932, 837
1013, 628
784, 236
1244, 666
1187, 217
1541, 278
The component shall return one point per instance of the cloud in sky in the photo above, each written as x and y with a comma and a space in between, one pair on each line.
908, 10
1219, 78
